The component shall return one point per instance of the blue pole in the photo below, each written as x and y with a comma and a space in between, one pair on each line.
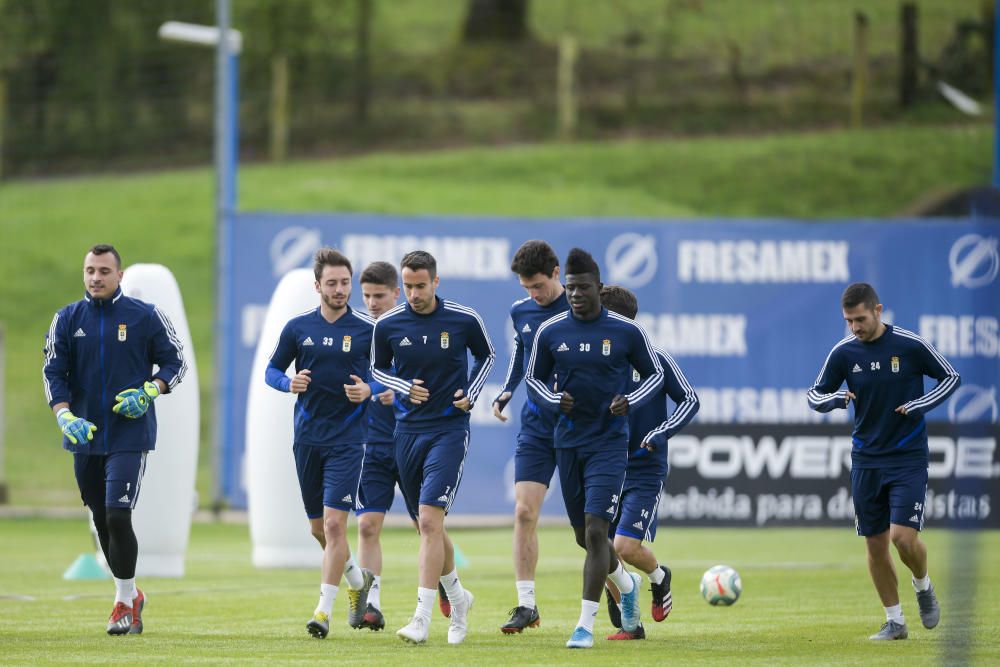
226, 141
996, 95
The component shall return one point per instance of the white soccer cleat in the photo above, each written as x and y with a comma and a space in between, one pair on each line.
459, 626
416, 631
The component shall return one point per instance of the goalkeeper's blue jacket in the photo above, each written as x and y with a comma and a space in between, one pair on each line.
96, 348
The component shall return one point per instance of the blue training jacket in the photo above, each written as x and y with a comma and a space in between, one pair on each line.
96, 348
883, 375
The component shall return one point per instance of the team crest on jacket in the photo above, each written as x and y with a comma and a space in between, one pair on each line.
895, 364
606, 347
346, 345
122, 332
444, 340
635, 375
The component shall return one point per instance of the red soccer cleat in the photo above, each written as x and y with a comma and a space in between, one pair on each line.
444, 604
120, 620
138, 602
638, 633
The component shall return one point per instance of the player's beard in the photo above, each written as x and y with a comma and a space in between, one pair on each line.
331, 302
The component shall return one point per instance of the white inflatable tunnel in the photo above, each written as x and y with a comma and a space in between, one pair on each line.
279, 529
167, 499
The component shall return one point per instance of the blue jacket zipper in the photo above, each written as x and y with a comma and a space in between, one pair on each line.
104, 382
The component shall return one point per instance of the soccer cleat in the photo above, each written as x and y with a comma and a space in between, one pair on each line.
373, 619
891, 630
521, 618
630, 605
582, 638
444, 604
357, 599
319, 626
120, 621
416, 631
459, 625
138, 602
638, 633
614, 611
930, 610
663, 601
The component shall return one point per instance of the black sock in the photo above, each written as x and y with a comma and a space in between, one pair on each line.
123, 546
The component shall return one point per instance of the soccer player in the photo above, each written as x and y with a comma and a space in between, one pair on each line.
884, 368
649, 431
591, 352
537, 269
99, 382
379, 476
330, 346
420, 350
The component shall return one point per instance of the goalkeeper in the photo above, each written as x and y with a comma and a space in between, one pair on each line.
99, 381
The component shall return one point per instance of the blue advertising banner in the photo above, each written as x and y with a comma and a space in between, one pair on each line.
748, 308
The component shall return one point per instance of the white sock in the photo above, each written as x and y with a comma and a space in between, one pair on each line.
352, 573
453, 587
124, 590
921, 585
375, 593
588, 612
622, 579
526, 594
425, 601
895, 613
327, 594
657, 576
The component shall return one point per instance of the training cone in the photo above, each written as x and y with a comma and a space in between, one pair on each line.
460, 559
85, 567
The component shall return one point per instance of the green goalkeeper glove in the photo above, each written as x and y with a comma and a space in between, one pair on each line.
133, 403
77, 429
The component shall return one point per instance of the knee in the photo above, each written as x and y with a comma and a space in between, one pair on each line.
626, 549
525, 514
119, 519
428, 526
904, 540
367, 530
596, 536
333, 529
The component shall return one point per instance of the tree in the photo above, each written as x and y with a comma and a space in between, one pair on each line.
496, 21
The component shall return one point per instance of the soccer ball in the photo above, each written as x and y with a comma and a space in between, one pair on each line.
721, 585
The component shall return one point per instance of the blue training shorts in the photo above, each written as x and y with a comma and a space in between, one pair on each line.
112, 479
430, 467
379, 477
534, 460
328, 476
888, 495
637, 514
592, 477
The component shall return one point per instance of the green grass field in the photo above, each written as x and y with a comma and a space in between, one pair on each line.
166, 218
807, 600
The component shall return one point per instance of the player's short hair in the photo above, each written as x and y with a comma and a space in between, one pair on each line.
534, 257
380, 273
327, 256
620, 300
102, 248
580, 261
419, 259
857, 294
